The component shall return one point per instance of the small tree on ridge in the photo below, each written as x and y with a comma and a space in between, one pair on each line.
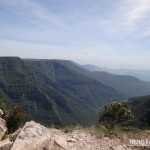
115, 113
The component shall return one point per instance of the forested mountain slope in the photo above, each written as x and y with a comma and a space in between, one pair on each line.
51, 91
141, 108
128, 85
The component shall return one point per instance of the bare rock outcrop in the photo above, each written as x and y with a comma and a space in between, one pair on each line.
33, 136
3, 127
6, 144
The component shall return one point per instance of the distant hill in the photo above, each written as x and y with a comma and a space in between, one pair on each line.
128, 85
141, 74
53, 91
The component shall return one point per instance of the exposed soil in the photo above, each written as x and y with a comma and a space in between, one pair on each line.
85, 140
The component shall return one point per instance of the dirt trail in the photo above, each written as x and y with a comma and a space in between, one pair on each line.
84, 140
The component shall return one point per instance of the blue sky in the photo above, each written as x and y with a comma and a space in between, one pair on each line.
107, 33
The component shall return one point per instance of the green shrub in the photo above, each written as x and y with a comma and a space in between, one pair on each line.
115, 113
14, 118
12, 138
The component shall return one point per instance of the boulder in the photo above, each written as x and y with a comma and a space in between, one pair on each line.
6, 144
33, 136
3, 127
61, 141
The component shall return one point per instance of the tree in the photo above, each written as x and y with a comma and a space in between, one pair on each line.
115, 113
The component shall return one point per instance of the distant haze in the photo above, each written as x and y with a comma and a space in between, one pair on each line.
106, 33
141, 74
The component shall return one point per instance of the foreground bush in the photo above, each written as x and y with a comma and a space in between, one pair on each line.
115, 113
14, 118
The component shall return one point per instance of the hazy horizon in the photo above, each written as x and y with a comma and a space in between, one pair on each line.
93, 65
105, 33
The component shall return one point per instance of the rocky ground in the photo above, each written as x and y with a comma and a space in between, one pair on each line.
81, 139
34, 136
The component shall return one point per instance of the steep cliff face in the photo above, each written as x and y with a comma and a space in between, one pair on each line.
17, 83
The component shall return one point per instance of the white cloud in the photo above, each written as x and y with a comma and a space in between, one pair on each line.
32, 12
129, 17
138, 10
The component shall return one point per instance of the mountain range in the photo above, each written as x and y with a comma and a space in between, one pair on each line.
141, 74
61, 91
